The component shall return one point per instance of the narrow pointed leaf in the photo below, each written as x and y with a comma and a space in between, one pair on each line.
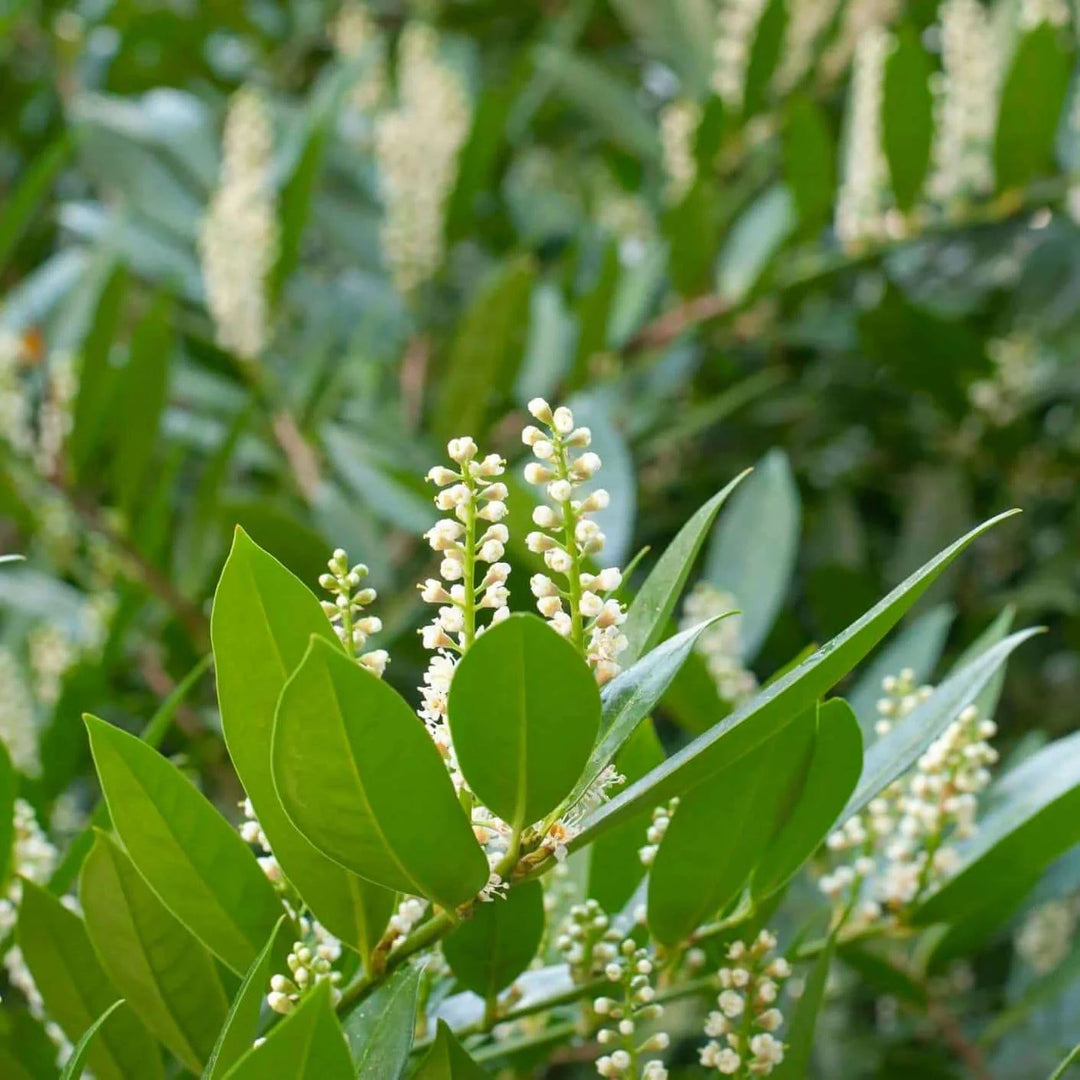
380, 1031
361, 778
654, 604
73, 1067
168, 978
306, 1045
489, 951
799, 1038
524, 710
262, 622
188, 853
907, 120
8, 790
777, 705
76, 990
446, 1060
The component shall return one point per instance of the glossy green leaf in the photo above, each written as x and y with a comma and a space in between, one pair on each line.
777, 705
261, 625
764, 54
380, 1030
360, 777
524, 711
306, 1045
754, 242
8, 791
241, 1026
446, 1060
755, 544
1030, 106
21, 204
73, 1067
648, 616
809, 162
168, 978
907, 116
720, 829
833, 770
889, 757
799, 1036
489, 951
1034, 817
187, 852
76, 990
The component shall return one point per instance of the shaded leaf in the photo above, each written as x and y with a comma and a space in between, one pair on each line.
380, 1030
799, 1036
446, 1060
73, 1067
809, 162
907, 116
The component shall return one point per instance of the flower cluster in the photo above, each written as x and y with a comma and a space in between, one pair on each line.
584, 610
807, 22
252, 833
308, 965
16, 428
238, 239
661, 819
356, 37
587, 941
18, 724
901, 696
417, 146
747, 1016
1018, 370
624, 1011
1045, 938
561, 832
719, 645
409, 912
736, 27
346, 610
679, 122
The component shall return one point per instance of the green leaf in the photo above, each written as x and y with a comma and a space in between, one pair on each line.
831, 775
777, 705
615, 868
76, 990
719, 830
360, 777
754, 242
306, 1045
1034, 817
1030, 107
764, 54
893, 754
918, 646
187, 852
490, 950
799, 1037
296, 197
524, 710
22, 204
380, 1031
242, 1024
680, 33
907, 116
654, 604
754, 547
9, 786
73, 1067
809, 162
262, 622
168, 978
446, 1060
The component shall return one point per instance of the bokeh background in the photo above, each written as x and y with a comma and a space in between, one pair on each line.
259, 260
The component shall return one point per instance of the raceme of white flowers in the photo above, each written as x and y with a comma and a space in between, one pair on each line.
1046, 936
719, 644
624, 1010
582, 608
679, 122
661, 819
346, 610
742, 1040
310, 963
18, 724
808, 20
416, 148
238, 238
356, 37
903, 844
736, 27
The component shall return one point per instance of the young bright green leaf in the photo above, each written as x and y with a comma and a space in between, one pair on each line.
380, 1030
489, 951
168, 978
77, 991
73, 1067
809, 162
764, 54
261, 625
799, 1036
720, 829
446, 1060
524, 711
754, 546
652, 608
1030, 106
776, 705
188, 853
907, 116
8, 791
892, 755
306, 1045
1034, 817
362, 780
831, 775
241, 1026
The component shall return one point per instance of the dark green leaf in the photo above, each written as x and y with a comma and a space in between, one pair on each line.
809, 162
167, 977
490, 950
296, 200
799, 1037
22, 204
73, 1067
187, 852
360, 777
754, 242
262, 623
380, 1031
907, 116
764, 54
446, 1060
77, 991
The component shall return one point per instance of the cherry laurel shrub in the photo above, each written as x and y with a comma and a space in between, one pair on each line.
517, 866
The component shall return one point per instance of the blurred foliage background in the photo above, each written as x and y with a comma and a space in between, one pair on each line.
259, 260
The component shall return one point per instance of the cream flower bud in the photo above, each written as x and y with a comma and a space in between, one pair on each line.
560, 490
542, 585
549, 606
451, 569
546, 517
441, 475
543, 449
539, 408
563, 420
535, 473
608, 579
581, 436
494, 511
591, 605
531, 434
558, 560
491, 551
461, 450
562, 624
598, 500
492, 465
587, 465
538, 542
495, 491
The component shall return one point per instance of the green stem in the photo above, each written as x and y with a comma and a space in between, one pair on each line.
1071, 1059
